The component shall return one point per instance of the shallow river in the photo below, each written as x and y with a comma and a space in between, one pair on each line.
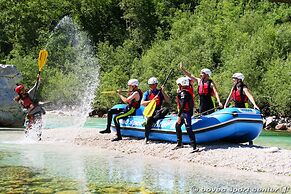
43, 167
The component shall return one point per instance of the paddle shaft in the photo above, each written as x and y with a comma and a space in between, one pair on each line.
149, 110
171, 71
112, 92
205, 112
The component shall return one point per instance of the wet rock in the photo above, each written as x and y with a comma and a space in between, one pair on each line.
11, 114
270, 122
281, 127
99, 113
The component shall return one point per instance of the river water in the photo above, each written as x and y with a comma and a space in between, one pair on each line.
55, 167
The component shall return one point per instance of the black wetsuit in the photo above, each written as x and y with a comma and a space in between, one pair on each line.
186, 105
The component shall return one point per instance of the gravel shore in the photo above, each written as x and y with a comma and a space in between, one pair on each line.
270, 160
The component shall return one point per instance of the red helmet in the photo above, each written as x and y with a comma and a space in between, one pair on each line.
19, 88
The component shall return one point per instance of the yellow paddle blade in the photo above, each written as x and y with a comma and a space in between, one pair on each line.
42, 57
112, 92
108, 92
150, 108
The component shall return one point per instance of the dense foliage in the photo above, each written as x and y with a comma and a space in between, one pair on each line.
144, 38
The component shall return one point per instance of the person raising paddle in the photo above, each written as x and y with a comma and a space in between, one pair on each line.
159, 95
27, 99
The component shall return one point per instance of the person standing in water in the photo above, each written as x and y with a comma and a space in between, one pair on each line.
27, 99
206, 89
240, 93
133, 100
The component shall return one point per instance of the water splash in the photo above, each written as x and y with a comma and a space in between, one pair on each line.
65, 21
78, 64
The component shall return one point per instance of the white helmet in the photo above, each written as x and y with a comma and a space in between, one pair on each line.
238, 76
153, 80
132, 82
184, 81
206, 71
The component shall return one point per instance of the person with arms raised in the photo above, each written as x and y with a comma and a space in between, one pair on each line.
206, 89
27, 99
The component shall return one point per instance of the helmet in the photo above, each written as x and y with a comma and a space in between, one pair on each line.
238, 76
153, 80
206, 71
184, 81
19, 88
132, 82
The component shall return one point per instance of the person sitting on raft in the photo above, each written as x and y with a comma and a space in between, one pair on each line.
26, 98
160, 112
240, 93
185, 104
133, 100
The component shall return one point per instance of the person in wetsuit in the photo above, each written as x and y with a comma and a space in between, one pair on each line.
133, 100
185, 104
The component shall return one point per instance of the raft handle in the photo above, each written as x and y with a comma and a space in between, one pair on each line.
234, 114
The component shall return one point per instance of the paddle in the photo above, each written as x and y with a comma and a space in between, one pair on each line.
42, 58
150, 108
112, 92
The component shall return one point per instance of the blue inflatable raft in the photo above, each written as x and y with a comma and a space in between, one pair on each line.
237, 125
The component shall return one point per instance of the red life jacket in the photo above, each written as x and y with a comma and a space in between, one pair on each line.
26, 101
136, 104
191, 91
238, 94
158, 99
204, 88
189, 104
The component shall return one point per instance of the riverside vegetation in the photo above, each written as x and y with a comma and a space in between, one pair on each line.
144, 38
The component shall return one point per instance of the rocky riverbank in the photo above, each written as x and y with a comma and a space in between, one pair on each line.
232, 156
277, 123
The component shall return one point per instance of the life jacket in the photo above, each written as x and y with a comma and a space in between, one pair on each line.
158, 99
204, 88
238, 95
191, 91
25, 100
189, 104
136, 104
